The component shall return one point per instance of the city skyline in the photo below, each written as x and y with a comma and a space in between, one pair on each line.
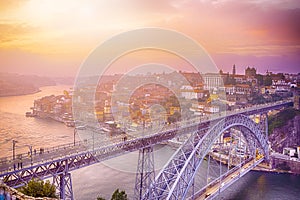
53, 37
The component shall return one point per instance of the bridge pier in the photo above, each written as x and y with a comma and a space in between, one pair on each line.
145, 172
64, 183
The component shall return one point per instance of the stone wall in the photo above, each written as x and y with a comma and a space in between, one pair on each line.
278, 163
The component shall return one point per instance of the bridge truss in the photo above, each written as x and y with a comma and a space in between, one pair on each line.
174, 181
178, 174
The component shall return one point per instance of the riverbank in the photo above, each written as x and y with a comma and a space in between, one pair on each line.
273, 166
274, 171
264, 168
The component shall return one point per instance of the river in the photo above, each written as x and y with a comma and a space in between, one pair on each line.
103, 178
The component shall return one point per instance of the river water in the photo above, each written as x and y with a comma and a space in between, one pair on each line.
103, 178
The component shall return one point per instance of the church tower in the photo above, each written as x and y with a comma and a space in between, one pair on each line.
233, 70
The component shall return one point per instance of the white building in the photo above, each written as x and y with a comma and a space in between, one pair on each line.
212, 109
212, 81
281, 85
188, 92
230, 89
289, 151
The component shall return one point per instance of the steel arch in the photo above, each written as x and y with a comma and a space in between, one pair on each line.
174, 180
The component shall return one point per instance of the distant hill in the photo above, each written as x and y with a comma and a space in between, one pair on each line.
15, 84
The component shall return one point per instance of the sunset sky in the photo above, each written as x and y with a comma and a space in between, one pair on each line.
53, 37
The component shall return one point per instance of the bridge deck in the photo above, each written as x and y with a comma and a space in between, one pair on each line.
72, 157
223, 182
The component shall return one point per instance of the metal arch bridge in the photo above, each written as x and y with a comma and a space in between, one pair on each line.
174, 181
59, 163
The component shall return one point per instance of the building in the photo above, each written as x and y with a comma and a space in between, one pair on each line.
230, 89
243, 89
198, 108
289, 151
233, 70
250, 72
281, 85
239, 78
188, 92
213, 81
211, 109
195, 79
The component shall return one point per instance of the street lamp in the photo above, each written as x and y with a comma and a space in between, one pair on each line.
75, 130
30, 149
14, 146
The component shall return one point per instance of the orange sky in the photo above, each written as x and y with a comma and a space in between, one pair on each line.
53, 37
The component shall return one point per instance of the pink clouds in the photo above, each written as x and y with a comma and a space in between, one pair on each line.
260, 33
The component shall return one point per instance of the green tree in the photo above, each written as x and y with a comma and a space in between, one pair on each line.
100, 198
39, 188
117, 195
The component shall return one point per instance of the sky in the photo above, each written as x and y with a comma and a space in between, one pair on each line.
54, 37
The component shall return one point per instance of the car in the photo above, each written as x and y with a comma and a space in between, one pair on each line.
207, 194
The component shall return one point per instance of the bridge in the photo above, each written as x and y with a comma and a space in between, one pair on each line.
177, 180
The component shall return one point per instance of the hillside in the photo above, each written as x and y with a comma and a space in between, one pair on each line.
284, 129
15, 84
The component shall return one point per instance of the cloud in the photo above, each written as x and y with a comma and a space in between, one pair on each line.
224, 27
11, 4
10, 32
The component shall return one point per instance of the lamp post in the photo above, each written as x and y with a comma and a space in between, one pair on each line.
14, 146
30, 149
74, 134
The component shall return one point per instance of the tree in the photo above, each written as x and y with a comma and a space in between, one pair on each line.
39, 188
100, 198
117, 195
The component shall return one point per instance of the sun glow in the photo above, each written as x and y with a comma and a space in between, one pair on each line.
56, 12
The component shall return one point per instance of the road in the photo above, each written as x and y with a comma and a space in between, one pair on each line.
228, 180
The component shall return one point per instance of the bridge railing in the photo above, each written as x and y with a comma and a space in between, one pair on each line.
192, 121
39, 150
226, 174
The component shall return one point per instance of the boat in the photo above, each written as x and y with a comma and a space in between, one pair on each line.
29, 114
70, 123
